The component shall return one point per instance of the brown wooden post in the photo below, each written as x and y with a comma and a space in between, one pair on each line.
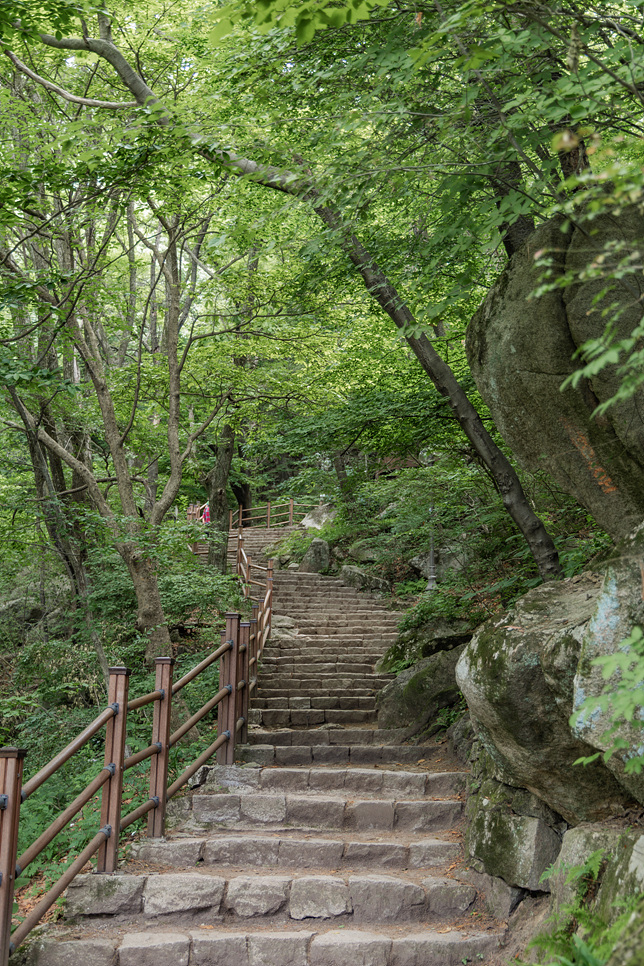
11, 765
244, 675
268, 515
233, 678
269, 591
253, 651
240, 521
230, 519
160, 736
290, 511
228, 677
115, 730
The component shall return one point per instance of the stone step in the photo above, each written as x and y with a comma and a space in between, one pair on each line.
305, 717
298, 946
318, 704
363, 782
351, 898
286, 681
323, 664
290, 852
327, 736
275, 810
314, 694
329, 754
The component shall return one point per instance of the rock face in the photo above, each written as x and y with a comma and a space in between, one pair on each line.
355, 577
520, 676
317, 558
419, 693
521, 351
318, 516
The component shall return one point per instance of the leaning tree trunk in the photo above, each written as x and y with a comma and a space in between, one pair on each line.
150, 619
216, 485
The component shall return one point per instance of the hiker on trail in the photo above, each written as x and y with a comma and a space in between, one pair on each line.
205, 518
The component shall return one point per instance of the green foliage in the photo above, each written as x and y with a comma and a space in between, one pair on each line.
579, 936
621, 700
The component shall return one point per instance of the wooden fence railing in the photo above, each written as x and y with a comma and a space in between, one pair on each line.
267, 515
239, 654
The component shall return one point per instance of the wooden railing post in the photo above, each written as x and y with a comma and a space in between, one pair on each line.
114, 758
11, 765
268, 514
240, 520
290, 511
269, 594
244, 675
228, 677
160, 736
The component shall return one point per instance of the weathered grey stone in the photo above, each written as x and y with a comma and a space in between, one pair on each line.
241, 851
284, 779
316, 518
354, 577
181, 852
576, 847
629, 950
500, 899
431, 852
80, 952
218, 949
518, 675
317, 558
382, 855
154, 949
309, 854
368, 815
278, 948
426, 816
420, 692
104, 895
249, 896
447, 897
216, 809
350, 948
263, 808
319, 897
520, 359
168, 893
441, 949
309, 812
380, 898
513, 847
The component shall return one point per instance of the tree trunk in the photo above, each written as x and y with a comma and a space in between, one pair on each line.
514, 499
216, 485
150, 619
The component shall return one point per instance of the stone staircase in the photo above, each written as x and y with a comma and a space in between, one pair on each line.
327, 845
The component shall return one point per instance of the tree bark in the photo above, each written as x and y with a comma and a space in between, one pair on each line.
216, 486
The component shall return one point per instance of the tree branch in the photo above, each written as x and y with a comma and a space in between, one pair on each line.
55, 89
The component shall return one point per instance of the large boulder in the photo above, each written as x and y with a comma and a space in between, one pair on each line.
521, 351
416, 696
355, 577
317, 558
520, 675
320, 515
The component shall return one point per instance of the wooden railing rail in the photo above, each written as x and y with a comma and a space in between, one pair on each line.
239, 653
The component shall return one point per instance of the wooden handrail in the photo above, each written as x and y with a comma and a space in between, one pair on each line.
234, 654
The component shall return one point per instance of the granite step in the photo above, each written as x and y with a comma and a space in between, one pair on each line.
298, 945
361, 898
